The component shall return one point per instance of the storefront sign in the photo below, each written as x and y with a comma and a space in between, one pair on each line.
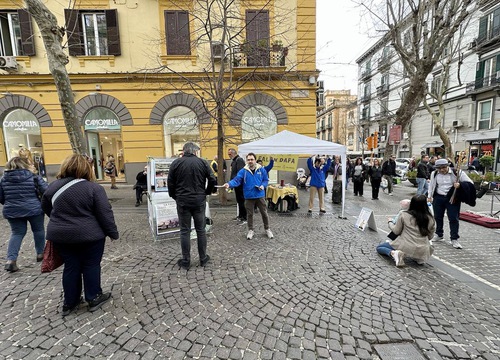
258, 122
481, 142
283, 162
395, 135
180, 121
20, 125
101, 118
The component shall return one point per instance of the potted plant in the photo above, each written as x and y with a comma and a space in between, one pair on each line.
411, 176
486, 161
277, 45
476, 179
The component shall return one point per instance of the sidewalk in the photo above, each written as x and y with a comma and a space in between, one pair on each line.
318, 290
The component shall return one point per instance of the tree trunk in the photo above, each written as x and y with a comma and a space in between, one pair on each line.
220, 155
52, 38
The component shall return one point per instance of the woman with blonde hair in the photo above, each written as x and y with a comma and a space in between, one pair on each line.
19, 194
80, 219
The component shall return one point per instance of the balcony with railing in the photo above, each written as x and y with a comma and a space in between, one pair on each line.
382, 90
366, 74
247, 55
365, 98
483, 84
383, 63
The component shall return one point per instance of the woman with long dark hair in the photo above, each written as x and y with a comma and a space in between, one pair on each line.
358, 177
414, 228
375, 173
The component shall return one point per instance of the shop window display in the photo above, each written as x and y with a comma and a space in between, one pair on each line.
180, 125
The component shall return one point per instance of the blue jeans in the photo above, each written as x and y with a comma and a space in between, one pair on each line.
198, 214
385, 249
81, 261
423, 186
440, 203
19, 227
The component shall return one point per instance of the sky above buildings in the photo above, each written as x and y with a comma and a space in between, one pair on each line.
342, 36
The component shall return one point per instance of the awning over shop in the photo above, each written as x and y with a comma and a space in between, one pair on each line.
432, 145
482, 135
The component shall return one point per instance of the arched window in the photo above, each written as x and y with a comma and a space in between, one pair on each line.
180, 125
258, 122
21, 129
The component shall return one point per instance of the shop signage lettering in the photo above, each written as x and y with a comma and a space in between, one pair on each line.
180, 121
20, 125
481, 142
257, 120
101, 124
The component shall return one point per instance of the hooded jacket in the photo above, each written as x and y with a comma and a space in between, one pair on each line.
318, 173
251, 181
19, 195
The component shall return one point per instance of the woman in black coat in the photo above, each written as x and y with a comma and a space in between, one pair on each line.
80, 219
375, 173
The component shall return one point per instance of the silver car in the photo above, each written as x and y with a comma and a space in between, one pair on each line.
401, 169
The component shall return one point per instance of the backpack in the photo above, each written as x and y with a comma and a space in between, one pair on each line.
109, 169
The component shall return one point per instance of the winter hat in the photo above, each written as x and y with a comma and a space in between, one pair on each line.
441, 163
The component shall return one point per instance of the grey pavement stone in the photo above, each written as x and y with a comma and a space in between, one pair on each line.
318, 290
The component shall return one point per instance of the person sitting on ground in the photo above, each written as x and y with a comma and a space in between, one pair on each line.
414, 228
403, 206
141, 185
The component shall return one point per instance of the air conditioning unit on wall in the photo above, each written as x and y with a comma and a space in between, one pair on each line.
457, 123
8, 62
217, 50
405, 136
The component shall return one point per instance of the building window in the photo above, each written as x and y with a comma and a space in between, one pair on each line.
16, 33
436, 85
488, 72
258, 122
329, 120
21, 130
257, 38
177, 32
489, 26
92, 33
484, 115
180, 125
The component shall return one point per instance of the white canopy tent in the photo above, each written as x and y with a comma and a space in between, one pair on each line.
287, 142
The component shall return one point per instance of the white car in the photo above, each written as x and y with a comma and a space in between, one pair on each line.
402, 169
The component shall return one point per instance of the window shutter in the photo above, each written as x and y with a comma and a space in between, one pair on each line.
498, 64
113, 32
257, 36
483, 29
74, 33
27, 39
177, 32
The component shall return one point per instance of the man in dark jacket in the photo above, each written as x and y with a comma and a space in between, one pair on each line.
423, 175
186, 185
237, 164
388, 171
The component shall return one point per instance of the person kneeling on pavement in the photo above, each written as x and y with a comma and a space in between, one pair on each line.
254, 179
414, 228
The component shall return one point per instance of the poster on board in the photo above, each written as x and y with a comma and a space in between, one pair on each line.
167, 220
366, 218
161, 168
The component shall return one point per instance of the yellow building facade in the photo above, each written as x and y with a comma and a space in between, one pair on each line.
146, 76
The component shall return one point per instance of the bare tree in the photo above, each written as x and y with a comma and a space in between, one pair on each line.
52, 36
419, 31
236, 61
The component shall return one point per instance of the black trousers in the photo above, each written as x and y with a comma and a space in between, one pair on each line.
240, 199
81, 261
375, 187
185, 213
358, 185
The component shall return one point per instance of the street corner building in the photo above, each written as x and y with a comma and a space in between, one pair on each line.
144, 88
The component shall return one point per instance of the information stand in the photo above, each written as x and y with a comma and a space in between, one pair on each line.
162, 209
366, 218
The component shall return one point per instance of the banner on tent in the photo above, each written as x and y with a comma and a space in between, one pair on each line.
282, 162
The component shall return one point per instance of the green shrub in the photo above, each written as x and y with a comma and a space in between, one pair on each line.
486, 161
412, 174
475, 177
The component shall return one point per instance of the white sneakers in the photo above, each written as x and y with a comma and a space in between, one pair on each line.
251, 233
455, 244
437, 238
399, 257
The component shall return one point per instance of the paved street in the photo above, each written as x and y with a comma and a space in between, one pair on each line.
318, 290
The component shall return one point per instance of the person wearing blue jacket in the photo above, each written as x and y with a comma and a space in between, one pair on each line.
254, 179
318, 180
19, 194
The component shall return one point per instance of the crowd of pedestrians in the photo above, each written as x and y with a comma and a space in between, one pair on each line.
80, 215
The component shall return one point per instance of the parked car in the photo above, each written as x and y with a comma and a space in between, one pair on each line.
403, 160
402, 169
